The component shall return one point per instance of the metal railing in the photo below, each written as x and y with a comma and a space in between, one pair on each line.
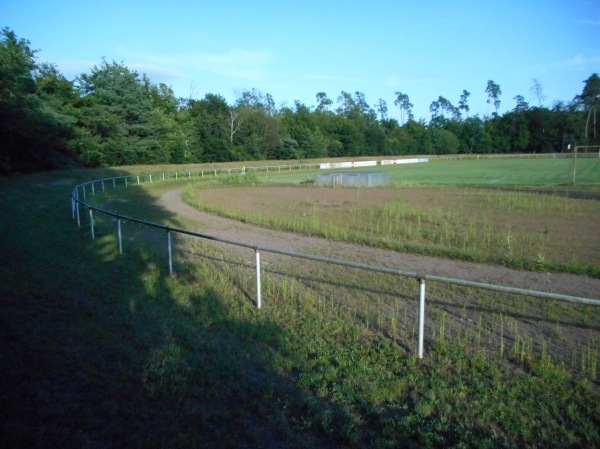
77, 202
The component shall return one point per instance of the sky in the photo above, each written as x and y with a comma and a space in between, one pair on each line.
294, 49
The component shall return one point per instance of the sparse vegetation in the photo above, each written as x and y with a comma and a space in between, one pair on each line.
106, 350
522, 227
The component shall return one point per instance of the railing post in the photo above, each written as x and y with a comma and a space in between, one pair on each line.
93, 190
138, 178
170, 252
120, 236
421, 314
258, 286
125, 181
84, 192
103, 186
77, 207
114, 183
92, 224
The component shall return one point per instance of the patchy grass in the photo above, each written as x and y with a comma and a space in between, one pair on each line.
102, 350
547, 231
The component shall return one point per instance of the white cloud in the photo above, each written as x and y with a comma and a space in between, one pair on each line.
241, 64
157, 73
72, 68
341, 78
237, 63
588, 22
579, 61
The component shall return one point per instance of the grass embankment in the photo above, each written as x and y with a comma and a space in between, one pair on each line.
102, 350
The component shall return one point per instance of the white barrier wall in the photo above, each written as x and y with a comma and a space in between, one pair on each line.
329, 165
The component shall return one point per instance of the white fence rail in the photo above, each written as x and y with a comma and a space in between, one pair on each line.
90, 187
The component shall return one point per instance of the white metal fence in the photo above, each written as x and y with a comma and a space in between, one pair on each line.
81, 191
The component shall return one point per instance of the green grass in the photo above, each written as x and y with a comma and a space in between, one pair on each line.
102, 350
483, 172
543, 171
544, 228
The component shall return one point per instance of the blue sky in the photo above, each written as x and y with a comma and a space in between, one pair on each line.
295, 49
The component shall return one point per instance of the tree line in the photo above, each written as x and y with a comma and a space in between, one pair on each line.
114, 116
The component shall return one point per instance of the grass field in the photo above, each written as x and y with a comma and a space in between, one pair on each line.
508, 212
485, 172
102, 350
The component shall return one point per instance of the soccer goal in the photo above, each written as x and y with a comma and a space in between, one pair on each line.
582, 151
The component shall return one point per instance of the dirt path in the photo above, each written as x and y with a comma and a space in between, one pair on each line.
255, 235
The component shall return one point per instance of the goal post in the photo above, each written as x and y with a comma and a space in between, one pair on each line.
578, 150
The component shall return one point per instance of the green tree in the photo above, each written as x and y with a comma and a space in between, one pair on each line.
442, 106
211, 132
403, 102
463, 104
546, 129
493, 91
513, 127
174, 141
474, 136
444, 141
590, 100
522, 105
117, 111
323, 103
421, 137
33, 134
382, 109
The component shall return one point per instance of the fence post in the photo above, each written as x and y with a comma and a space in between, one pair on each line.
84, 192
120, 236
92, 224
170, 252
138, 180
77, 207
114, 183
103, 186
125, 181
421, 314
93, 189
258, 287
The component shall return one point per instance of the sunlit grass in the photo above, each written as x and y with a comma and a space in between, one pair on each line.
517, 228
102, 349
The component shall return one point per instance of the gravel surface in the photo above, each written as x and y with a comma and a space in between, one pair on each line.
234, 230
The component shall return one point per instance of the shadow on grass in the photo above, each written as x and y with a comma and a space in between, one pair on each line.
101, 350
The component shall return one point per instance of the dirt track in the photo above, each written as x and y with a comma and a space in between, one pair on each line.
234, 230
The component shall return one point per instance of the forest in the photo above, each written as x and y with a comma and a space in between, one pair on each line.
114, 116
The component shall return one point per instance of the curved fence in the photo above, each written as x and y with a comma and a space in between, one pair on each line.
82, 191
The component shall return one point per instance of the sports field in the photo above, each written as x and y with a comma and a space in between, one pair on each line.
103, 349
522, 213
489, 172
